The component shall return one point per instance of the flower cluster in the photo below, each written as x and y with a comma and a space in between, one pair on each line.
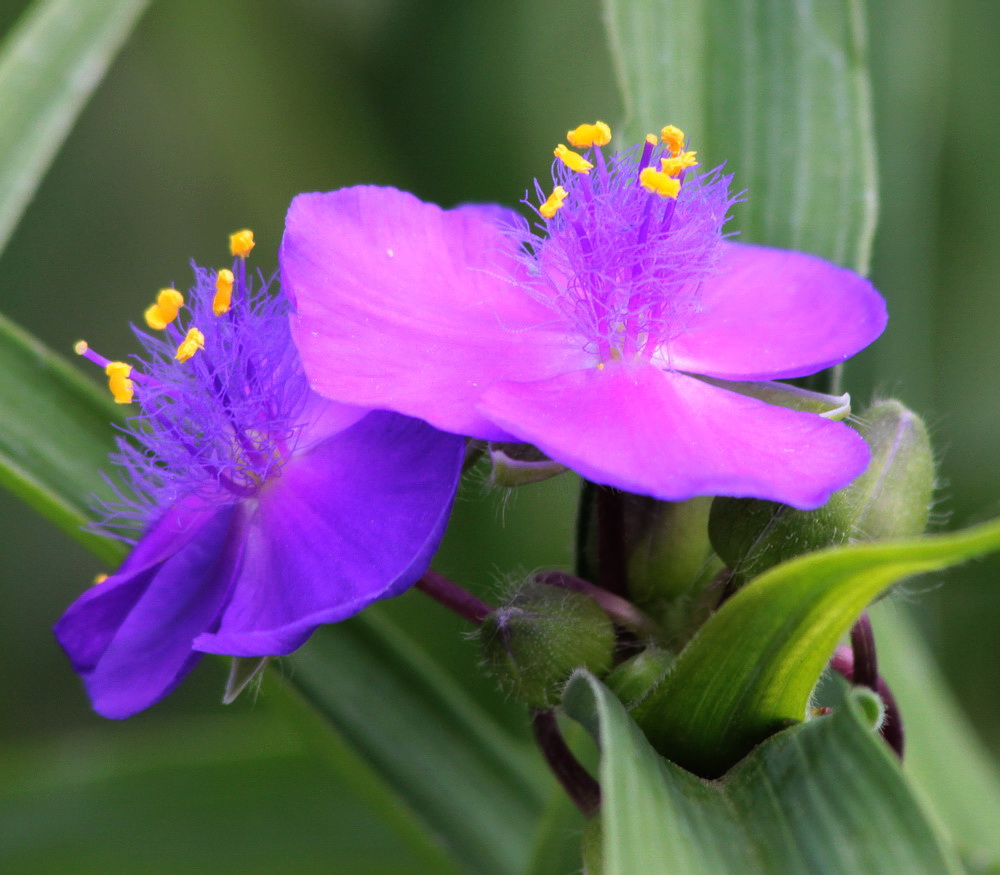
265, 510
295, 457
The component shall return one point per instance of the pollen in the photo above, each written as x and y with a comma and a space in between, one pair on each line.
674, 138
241, 243
223, 299
584, 136
572, 160
679, 163
194, 341
100, 578
122, 388
659, 183
168, 304
553, 203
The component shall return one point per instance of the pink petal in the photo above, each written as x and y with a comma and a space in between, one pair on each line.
673, 437
404, 306
769, 314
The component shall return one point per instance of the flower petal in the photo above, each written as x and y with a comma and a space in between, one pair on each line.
130, 637
404, 306
354, 520
770, 314
673, 437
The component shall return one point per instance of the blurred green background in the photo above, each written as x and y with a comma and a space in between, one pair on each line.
213, 117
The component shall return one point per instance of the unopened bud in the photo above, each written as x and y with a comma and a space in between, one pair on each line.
533, 644
891, 499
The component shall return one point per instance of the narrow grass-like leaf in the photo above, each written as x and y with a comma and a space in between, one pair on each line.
944, 758
55, 435
477, 791
50, 64
785, 809
778, 92
54, 427
752, 667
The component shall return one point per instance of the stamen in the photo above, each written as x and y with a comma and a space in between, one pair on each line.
100, 578
122, 388
585, 136
194, 341
241, 243
674, 138
659, 183
168, 304
223, 299
573, 161
679, 163
553, 203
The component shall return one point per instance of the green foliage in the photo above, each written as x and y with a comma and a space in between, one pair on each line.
782, 98
787, 808
752, 667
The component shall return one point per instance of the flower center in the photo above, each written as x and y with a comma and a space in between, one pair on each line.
624, 241
218, 391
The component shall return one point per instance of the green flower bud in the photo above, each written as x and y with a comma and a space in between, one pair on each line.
891, 499
534, 643
632, 680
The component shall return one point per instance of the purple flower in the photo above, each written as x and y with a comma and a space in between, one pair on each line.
265, 509
589, 332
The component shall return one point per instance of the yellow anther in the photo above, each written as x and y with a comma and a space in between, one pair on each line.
674, 166
652, 139
241, 243
223, 299
164, 311
100, 578
553, 203
572, 160
122, 388
674, 138
81, 347
659, 183
194, 341
585, 136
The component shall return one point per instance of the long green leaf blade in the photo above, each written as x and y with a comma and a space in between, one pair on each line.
54, 426
477, 791
780, 95
752, 667
50, 64
55, 435
944, 758
785, 809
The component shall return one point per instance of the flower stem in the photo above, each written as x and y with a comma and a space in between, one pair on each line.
622, 611
578, 783
453, 597
863, 648
612, 570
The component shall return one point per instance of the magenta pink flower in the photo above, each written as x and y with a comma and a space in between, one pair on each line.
586, 333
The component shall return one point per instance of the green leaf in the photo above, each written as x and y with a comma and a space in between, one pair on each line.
50, 64
54, 425
752, 667
55, 436
824, 797
944, 758
476, 790
781, 97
